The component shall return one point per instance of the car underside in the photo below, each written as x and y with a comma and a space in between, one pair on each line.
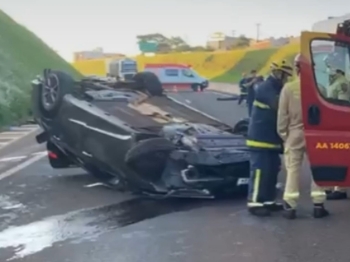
134, 137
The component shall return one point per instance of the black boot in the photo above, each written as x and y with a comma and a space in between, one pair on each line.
289, 212
275, 207
260, 211
336, 195
320, 211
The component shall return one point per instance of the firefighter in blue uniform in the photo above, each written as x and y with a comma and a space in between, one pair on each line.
242, 88
264, 142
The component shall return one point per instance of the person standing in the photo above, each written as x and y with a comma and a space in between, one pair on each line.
243, 89
264, 143
249, 84
290, 129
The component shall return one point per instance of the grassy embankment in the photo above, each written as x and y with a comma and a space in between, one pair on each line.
22, 56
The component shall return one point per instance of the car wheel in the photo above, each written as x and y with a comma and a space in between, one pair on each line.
148, 82
149, 157
241, 128
55, 85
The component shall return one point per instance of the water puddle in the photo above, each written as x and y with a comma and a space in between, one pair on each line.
6, 203
86, 225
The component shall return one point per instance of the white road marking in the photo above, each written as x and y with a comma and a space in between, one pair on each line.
13, 133
40, 153
14, 158
21, 166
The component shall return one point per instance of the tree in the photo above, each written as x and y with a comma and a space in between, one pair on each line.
239, 42
158, 38
243, 41
166, 45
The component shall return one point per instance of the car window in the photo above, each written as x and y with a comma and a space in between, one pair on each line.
171, 72
187, 72
331, 69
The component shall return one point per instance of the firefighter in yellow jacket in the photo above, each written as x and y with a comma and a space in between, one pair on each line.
290, 129
338, 89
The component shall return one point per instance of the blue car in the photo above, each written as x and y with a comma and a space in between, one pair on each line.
178, 76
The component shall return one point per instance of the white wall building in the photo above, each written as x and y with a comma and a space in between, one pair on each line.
329, 25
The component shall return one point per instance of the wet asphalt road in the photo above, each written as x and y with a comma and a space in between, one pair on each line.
54, 216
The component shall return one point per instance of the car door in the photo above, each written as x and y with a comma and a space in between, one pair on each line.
326, 120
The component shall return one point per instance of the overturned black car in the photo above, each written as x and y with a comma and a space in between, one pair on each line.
134, 137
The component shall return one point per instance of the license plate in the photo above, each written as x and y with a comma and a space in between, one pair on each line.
242, 181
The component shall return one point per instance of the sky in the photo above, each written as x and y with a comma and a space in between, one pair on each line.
76, 25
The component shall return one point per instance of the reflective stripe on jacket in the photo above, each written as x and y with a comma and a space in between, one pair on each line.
262, 130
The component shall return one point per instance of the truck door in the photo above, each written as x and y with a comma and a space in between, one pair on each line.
326, 119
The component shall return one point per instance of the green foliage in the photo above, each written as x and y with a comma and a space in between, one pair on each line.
240, 42
252, 60
168, 45
23, 56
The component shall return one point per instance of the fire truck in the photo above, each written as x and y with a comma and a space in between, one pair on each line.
326, 120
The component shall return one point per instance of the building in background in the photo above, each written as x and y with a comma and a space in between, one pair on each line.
330, 24
96, 53
220, 41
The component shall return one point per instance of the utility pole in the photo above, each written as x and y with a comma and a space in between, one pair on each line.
258, 31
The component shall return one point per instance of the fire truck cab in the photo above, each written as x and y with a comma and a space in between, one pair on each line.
326, 120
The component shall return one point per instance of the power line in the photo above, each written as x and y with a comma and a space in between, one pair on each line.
258, 32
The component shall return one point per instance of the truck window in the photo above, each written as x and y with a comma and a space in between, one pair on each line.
331, 70
171, 72
128, 67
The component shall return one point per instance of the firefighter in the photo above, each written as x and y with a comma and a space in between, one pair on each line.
339, 89
250, 83
259, 80
243, 89
290, 129
264, 143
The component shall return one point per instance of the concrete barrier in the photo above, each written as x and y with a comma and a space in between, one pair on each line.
226, 88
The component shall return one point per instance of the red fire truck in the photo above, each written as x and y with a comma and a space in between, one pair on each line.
326, 120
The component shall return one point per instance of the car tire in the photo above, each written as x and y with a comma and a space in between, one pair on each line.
149, 83
149, 157
61, 160
241, 128
57, 84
